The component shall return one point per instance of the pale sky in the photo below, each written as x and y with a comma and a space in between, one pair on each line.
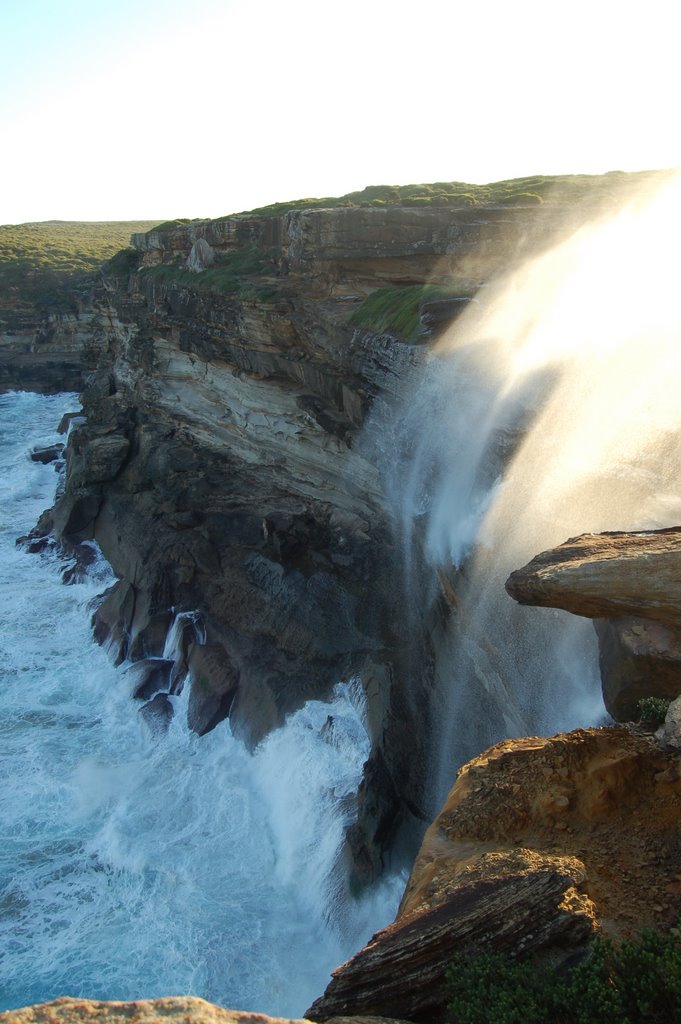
144, 109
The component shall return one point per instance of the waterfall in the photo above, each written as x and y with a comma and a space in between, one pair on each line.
550, 409
134, 864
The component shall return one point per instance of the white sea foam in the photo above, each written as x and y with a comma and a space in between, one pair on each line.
133, 865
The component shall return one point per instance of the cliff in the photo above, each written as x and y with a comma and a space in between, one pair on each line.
219, 469
221, 474
51, 324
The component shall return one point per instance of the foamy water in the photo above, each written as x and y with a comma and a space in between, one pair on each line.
133, 865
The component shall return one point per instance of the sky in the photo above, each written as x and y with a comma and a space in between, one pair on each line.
156, 109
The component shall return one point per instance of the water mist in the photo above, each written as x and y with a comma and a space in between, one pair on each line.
549, 409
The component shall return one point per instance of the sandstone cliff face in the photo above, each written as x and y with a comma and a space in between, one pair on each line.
541, 843
630, 583
220, 472
51, 353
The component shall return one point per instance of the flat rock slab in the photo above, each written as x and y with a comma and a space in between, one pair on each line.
607, 575
187, 1010
184, 1010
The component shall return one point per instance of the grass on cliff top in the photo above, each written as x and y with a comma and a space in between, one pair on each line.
529, 191
237, 273
46, 265
398, 310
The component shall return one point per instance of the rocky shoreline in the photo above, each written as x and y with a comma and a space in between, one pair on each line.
219, 469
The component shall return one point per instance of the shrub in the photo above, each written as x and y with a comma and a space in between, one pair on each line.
652, 711
636, 982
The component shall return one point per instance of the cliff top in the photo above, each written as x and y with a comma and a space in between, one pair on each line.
46, 264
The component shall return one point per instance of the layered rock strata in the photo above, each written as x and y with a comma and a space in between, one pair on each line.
541, 843
51, 352
630, 584
218, 470
220, 473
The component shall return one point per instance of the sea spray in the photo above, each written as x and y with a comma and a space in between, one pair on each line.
135, 865
550, 409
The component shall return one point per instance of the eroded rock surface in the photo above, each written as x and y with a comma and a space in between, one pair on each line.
218, 470
220, 473
182, 1009
185, 1009
607, 574
540, 843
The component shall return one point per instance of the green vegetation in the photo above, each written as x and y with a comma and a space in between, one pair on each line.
173, 225
398, 310
636, 982
652, 711
51, 265
239, 273
530, 191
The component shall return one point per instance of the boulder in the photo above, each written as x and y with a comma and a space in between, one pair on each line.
638, 658
49, 454
669, 734
201, 255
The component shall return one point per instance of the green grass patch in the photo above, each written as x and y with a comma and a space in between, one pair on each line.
528, 191
237, 273
398, 310
636, 982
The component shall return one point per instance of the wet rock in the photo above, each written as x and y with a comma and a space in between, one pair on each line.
149, 676
214, 683
45, 455
68, 420
149, 637
112, 619
158, 713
